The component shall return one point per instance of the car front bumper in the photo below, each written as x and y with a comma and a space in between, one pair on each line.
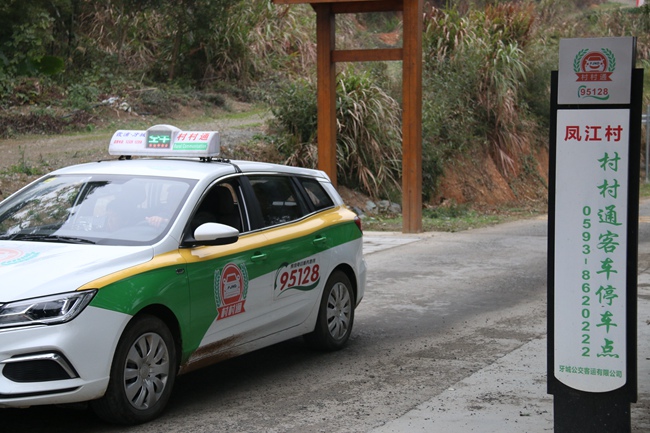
59, 364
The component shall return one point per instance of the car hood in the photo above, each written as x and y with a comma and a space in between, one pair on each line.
32, 269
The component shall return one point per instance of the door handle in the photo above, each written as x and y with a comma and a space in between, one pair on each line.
320, 241
258, 257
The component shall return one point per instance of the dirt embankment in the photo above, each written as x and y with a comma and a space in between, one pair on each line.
477, 180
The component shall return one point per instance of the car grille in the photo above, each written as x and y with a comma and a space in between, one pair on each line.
39, 367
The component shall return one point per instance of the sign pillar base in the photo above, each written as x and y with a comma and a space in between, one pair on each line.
582, 412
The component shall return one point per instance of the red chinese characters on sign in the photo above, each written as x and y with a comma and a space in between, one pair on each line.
586, 76
597, 133
193, 136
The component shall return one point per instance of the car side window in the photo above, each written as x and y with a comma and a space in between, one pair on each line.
277, 199
221, 205
316, 193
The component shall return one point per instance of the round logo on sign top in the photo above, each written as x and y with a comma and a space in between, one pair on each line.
594, 62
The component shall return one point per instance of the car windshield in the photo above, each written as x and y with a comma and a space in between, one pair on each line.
94, 209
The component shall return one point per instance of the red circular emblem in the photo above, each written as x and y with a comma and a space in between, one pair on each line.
594, 62
232, 283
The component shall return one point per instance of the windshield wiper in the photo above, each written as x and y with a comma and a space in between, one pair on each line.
48, 238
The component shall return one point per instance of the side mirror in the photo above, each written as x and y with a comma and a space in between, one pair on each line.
212, 234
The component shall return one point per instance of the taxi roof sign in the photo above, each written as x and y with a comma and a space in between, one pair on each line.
165, 140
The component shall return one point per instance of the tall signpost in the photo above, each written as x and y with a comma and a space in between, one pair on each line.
593, 234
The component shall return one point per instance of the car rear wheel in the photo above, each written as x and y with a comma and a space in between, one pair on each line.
142, 374
335, 314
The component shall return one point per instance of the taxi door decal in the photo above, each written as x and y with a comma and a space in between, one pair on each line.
230, 290
303, 276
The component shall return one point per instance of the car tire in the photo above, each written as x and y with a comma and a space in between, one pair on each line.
142, 374
335, 314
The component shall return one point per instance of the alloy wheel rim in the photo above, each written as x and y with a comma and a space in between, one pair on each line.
146, 371
339, 311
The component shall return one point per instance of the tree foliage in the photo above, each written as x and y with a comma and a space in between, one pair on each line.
194, 42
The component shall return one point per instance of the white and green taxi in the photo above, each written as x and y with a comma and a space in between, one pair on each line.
116, 276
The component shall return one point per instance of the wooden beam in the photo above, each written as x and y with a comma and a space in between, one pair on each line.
326, 90
352, 6
366, 7
412, 118
367, 55
299, 2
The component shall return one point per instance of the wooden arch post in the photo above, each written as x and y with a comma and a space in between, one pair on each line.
411, 56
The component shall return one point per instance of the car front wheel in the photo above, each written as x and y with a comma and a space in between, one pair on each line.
335, 314
142, 374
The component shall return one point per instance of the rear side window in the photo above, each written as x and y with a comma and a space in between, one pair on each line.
277, 199
316, 194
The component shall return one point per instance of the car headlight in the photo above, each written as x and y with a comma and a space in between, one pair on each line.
48, 310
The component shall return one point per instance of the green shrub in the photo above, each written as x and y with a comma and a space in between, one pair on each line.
369, 131
369, 140
295, 109
82, 96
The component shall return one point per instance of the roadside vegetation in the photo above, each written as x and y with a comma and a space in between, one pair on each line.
452, 218
87, 65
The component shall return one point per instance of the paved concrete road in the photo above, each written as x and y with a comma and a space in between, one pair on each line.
440, 311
